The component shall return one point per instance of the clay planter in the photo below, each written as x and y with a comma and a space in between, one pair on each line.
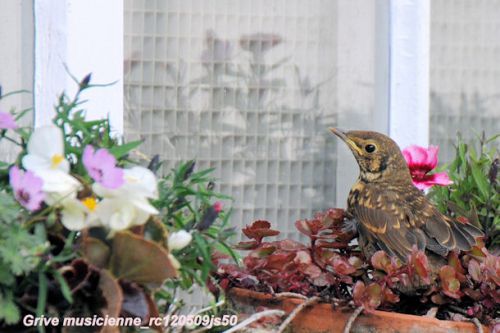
322, 317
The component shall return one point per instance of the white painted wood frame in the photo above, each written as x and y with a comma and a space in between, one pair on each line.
86, 36
409, 51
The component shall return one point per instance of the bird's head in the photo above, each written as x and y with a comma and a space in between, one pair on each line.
378, 156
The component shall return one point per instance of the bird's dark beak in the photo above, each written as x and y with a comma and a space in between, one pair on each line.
344, 137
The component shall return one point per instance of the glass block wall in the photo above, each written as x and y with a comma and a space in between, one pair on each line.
246, 87
465, 71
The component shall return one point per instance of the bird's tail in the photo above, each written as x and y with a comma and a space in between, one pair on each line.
465, 234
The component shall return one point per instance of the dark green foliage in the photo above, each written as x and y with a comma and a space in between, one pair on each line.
475, 192
186, 197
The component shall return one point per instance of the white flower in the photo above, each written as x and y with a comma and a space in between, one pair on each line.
179, 240
118, 214
78, 214
129, 204
46, 160
46, 150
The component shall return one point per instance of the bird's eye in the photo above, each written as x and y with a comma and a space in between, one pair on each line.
370, 148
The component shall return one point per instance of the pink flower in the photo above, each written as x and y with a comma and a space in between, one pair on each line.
421, 161
101, 166
7, 121
218, 206
27, 188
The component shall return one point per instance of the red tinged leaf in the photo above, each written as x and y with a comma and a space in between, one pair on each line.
474, 270
370, 297
302, 258
310, 228
390, 297
342, 266
472, 293
454, 261
224, 284
358, 293
279, 260
323, 280
290, 245
263, 251
478, 250
330, 244
381, 261
420, 265
258, 230
332, 216
491, 266
312, 271
375, 295
449, 283
355, 262
249, 245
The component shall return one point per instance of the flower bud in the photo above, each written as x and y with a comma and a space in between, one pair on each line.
179, 240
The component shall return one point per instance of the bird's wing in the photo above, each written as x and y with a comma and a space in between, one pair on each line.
397, 221
384, 217
446, 232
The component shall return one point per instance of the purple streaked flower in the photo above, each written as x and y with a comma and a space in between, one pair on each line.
7, 121
101, 166
27, 188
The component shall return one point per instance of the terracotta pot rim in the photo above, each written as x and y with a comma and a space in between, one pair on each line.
245, 294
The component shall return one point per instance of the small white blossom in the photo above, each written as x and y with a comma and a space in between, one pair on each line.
179, 240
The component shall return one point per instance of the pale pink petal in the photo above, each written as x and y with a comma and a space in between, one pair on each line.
432, 156
418, 155
101, 166
27, 188
113, 178
440, 178
88, 152
7, 121
421, 185
15, 177
105, 158
407, 156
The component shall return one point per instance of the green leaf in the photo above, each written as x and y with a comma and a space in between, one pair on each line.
8, 309
481, 180
122, 150
42, 296
6, 277
66, 291
9, 209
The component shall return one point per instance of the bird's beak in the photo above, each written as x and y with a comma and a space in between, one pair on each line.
346, 139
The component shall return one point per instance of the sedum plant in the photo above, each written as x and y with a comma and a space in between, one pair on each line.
332, 267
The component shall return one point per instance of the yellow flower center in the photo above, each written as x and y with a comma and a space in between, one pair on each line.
90, 203
56, 160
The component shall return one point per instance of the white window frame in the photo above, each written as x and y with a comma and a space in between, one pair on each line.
83, 36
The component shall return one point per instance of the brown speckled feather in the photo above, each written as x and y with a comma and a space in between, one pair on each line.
393, 215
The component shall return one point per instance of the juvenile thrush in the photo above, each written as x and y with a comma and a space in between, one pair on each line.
392, 214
